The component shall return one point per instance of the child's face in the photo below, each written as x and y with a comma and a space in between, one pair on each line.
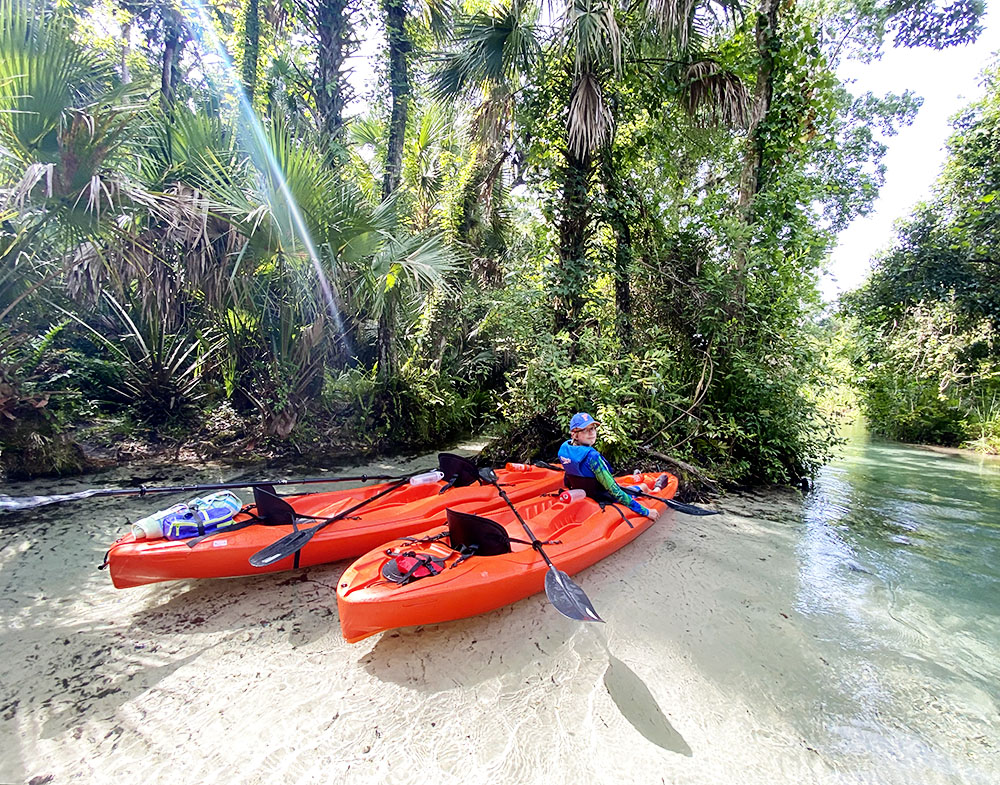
586, 436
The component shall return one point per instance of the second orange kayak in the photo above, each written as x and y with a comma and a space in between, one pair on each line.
445, 577
396, 513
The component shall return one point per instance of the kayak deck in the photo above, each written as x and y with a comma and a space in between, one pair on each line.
581, 534
398, 513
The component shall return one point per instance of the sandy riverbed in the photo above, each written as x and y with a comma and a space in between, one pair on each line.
714, 676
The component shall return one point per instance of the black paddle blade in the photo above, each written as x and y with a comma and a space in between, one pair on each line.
689, 509
283, 548
568, 598
488, 475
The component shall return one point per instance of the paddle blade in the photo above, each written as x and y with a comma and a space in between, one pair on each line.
568, 598
283, 548
12, 503
488, 475
688, 509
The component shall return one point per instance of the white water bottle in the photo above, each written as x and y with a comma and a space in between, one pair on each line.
151, 527
572, 495
637, 476
426, 478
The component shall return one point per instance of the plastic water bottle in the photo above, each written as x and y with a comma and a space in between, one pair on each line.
518, 467
426, 478
637, 476
151, 527
572, 496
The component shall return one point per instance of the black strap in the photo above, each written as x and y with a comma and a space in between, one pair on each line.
464, 553
448, 485
422, 560
617, 509
413, 540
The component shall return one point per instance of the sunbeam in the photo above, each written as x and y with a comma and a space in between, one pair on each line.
261, 152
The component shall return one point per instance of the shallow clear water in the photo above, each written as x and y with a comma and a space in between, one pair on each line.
848, 635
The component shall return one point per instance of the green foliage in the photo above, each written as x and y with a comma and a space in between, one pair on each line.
570, 230
926, 321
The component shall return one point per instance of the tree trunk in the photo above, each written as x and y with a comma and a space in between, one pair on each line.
172, 31
752, 176
250, 44
166, 74
386, 327
126, 48
399, 85
333, 30
618, 221
574, 221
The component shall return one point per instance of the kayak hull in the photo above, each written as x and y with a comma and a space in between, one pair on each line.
397, 514
583, 534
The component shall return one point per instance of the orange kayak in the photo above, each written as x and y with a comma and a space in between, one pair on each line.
396, 513
442, 582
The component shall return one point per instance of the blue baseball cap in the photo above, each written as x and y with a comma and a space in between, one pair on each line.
581, 420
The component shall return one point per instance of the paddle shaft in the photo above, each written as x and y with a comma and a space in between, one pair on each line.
567, 598
222, 486
534, 540
142, 490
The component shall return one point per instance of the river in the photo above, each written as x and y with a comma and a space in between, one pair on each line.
845, 635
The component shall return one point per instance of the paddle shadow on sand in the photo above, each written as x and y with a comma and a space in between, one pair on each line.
637, 705
412, 657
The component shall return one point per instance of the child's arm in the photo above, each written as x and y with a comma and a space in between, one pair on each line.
599, 467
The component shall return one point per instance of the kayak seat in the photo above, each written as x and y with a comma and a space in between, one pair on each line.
458, 471
271, 508
467, 532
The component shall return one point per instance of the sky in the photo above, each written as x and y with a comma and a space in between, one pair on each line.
948, 80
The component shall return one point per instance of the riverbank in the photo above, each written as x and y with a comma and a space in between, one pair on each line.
793, 638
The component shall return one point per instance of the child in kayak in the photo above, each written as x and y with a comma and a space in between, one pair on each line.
580, 459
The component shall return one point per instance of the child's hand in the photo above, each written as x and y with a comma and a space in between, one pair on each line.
653, 514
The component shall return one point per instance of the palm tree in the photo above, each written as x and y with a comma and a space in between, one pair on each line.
435, 14
500, 51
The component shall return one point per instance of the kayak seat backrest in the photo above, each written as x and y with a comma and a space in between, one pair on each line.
274, 510
467, 532
458, 471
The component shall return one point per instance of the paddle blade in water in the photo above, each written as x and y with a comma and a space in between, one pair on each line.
568, 598
283, 548
12, 503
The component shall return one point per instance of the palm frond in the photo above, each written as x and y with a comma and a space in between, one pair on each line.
714, 96
593, 36
43, 72
673, 19
589, 123
495, 48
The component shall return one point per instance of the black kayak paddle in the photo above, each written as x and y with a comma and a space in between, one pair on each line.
568, 598
12, 503
688, 509
295, 541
